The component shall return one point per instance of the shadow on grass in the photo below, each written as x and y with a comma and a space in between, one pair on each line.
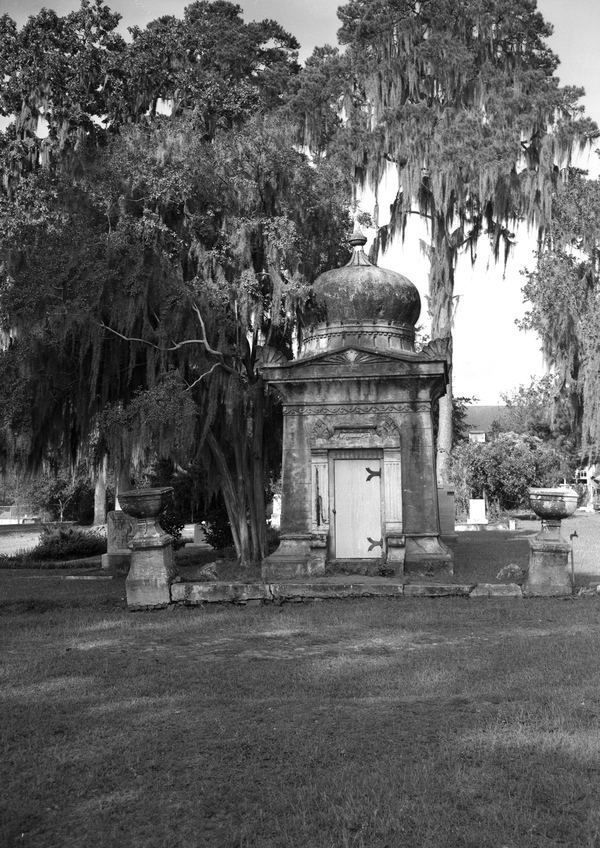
369, 724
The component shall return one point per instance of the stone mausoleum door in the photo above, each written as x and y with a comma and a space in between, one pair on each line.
357, 508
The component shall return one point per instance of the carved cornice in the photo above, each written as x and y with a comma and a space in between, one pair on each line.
382, 433
356, 409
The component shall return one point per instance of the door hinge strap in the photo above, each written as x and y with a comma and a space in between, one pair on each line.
373, 474
374, 544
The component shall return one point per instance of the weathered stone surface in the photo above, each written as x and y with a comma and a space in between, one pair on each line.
150, 576
496, 590
200, 593
548, 574
418, 590
120, 530
289, 591
295, 557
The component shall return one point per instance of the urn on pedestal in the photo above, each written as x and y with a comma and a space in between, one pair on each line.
152, 564
549, 552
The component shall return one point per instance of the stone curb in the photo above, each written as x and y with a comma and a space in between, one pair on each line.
191, 594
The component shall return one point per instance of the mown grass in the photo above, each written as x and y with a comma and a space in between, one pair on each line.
369, 724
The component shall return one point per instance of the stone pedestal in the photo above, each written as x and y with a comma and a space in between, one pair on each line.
548, 562
152, 571
120, 530
549, 552
548, 567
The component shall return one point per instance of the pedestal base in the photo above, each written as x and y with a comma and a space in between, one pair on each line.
548, 567
428, 554
148, 584
296, 556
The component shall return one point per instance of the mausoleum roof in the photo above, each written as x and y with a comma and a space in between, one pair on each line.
363, 292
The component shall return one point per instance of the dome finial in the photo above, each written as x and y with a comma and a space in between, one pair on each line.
357, 239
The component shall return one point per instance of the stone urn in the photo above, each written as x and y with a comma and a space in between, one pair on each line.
147, 505
552, 505
148, 584
549, 552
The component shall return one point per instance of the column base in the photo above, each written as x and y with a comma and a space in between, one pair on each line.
548, 567
396, 553
428, 555
298, 555
148, 584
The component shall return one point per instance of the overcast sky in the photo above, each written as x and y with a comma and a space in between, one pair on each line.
491, 355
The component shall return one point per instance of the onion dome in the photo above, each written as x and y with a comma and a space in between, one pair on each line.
362, 304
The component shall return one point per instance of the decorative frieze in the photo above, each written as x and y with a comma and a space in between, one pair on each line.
356, 409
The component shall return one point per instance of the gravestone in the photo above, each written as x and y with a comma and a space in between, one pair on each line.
477, 511
120, 530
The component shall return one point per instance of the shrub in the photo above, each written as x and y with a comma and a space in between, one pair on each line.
503, 470
63, 543
217, 530
173, 523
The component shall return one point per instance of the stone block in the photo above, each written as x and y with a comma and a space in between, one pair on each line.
152, 571
419, 590
206, 593
297, 591
496, 590
548, 573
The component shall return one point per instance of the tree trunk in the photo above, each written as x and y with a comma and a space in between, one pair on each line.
100, 492
236, 511
441, 293
123, 479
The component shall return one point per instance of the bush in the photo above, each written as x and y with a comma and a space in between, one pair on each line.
173, 523
503, 470
64, 543
217, 530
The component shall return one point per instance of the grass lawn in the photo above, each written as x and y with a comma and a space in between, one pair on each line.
358, 724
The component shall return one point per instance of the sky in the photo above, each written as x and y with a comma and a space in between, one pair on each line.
491, 356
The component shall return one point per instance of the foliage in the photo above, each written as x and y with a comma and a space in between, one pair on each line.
64, 543
66, 496
460, 100
173, 522
564, 293
217, 529
150, 272
502, 470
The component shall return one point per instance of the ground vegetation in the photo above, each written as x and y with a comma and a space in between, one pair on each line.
471, 723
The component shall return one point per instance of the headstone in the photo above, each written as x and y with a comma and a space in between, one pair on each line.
120, 530
447, 510
477, 511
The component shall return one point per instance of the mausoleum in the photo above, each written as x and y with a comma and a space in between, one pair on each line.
359, 489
